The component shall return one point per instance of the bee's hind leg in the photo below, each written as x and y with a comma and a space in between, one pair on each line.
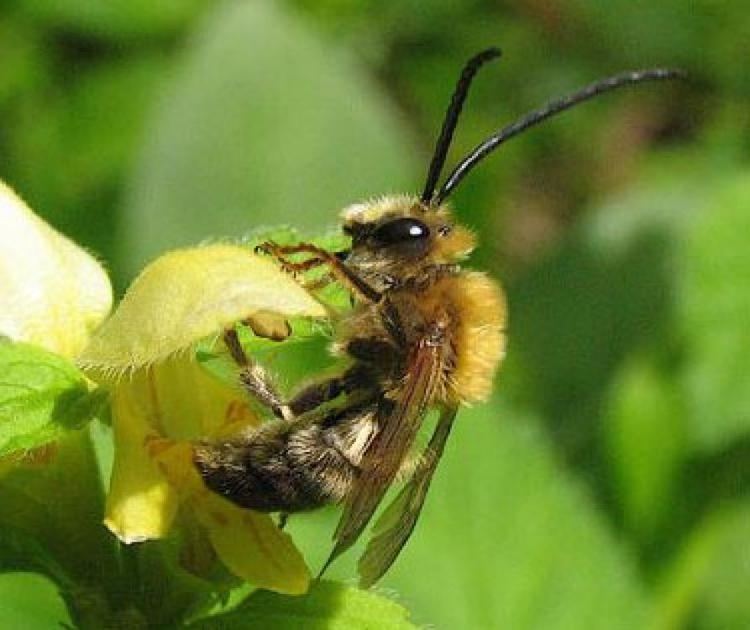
255, 380
323, 391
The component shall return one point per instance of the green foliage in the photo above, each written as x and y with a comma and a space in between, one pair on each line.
51, 524
714, 308
646, 439
115, 20
516, 540
74, 152
42, 395
30, 601
328, 606
607, 483
250, 63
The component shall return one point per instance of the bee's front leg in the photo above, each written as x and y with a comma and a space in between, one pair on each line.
319, 257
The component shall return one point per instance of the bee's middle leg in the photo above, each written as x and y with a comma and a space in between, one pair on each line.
254, 378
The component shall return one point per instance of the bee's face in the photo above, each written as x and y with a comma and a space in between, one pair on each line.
403, 231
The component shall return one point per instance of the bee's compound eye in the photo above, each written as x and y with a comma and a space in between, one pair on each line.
403, 230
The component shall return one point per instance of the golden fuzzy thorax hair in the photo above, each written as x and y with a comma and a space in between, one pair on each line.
478, 337
476, 303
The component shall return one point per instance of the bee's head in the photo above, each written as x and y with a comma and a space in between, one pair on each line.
403, 230
396, 235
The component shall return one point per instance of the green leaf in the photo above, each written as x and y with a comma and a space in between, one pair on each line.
20, 551
608, 290
51, 523
707, 581
74, 127
303, 355
69, 526
327, 606
641, 34
508, 539
714, 305
264, 124
646, 438
22, 55
619, 285
42, 395
31, 601
724, 602
115, 19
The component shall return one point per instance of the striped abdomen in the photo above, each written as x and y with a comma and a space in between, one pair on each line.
289, 466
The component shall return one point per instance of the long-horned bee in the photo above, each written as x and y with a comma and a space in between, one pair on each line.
423, 333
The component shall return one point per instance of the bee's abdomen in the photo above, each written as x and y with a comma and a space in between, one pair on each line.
287, 468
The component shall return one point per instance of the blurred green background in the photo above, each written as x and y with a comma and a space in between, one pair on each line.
607, 484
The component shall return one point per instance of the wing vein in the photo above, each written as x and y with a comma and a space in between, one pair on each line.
397, 430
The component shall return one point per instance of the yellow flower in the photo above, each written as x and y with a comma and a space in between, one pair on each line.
162, 400
52, 293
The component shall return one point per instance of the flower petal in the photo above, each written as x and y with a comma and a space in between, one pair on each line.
174, 399
247, 542
141, 504
187, 295
186, 402
53, 292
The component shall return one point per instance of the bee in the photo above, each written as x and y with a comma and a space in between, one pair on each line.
423, 334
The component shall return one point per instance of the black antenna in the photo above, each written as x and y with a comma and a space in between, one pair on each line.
451, 118
551, 109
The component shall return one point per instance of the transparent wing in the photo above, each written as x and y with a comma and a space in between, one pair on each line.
398, 426
399, 519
